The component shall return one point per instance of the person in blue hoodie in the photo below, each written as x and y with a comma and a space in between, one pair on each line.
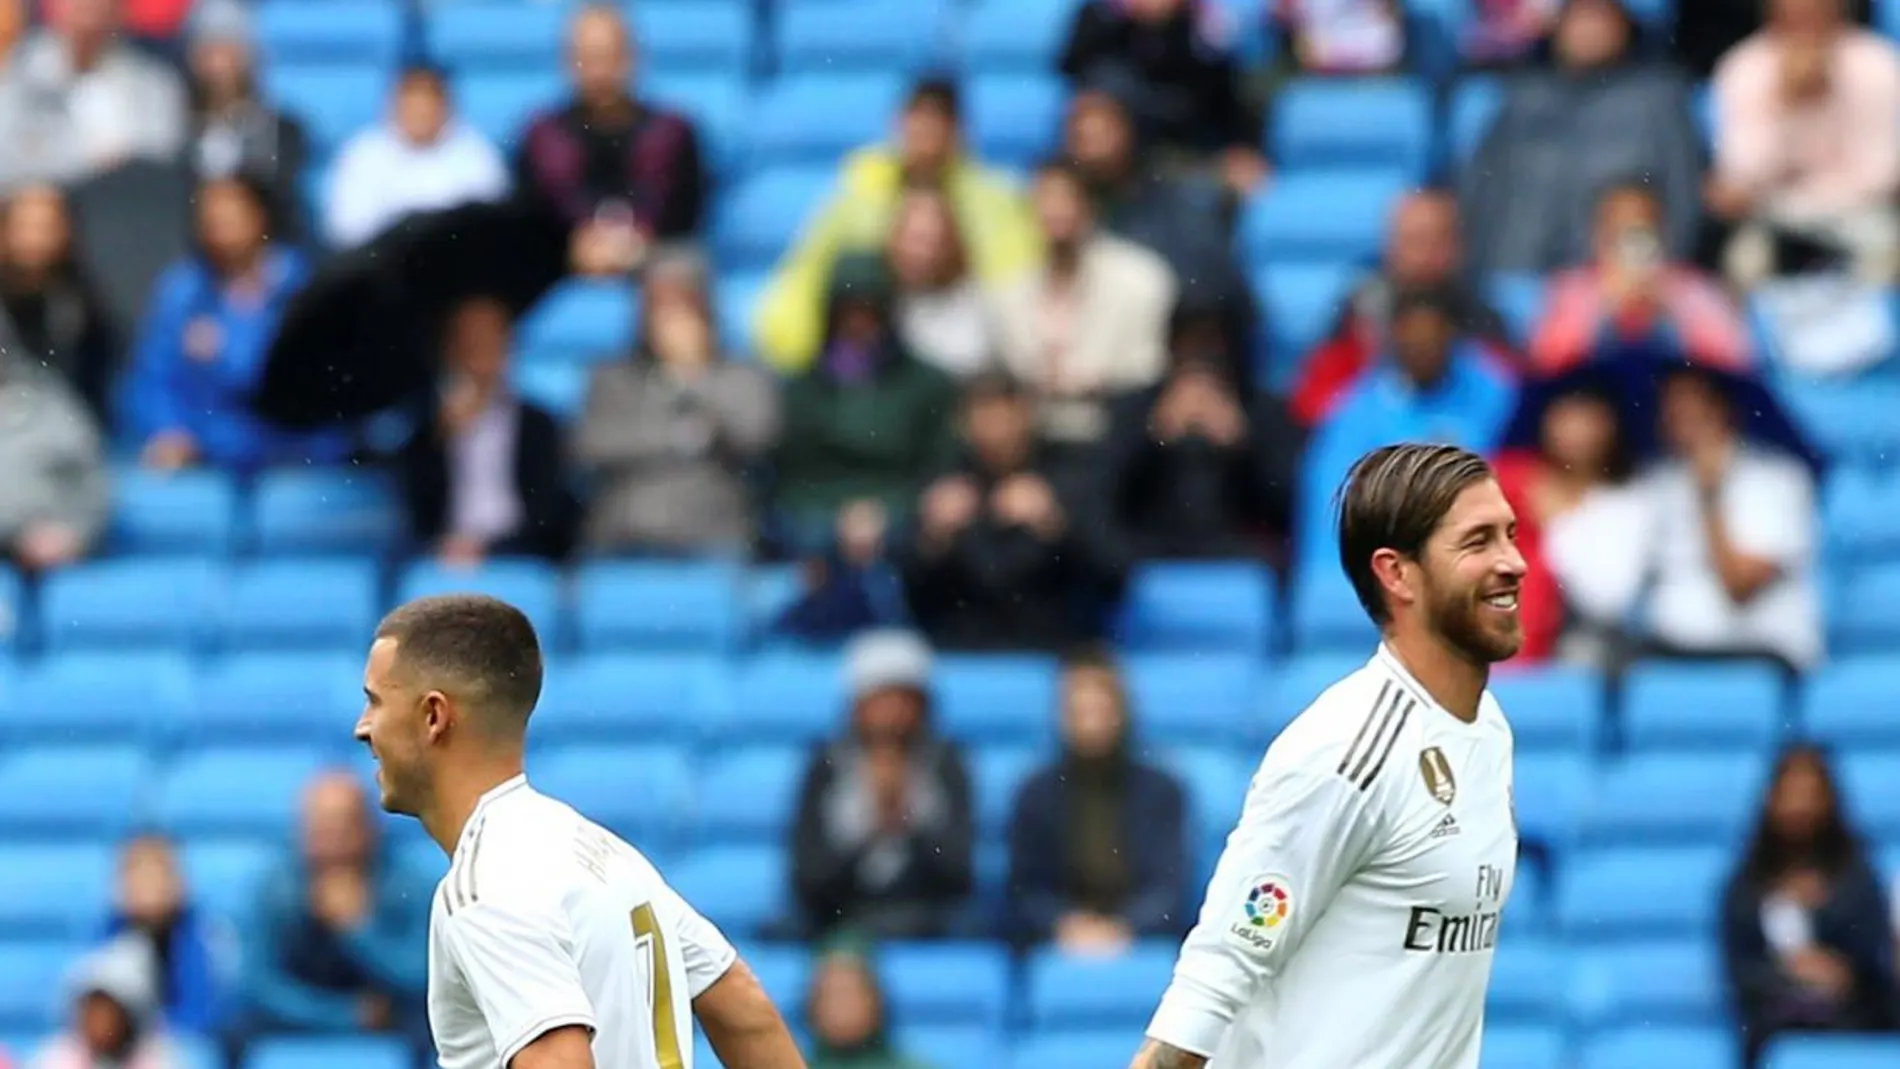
202, 347
192, 954
338, 941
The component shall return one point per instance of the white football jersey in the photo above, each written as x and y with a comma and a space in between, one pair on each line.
1351, 920
546, 919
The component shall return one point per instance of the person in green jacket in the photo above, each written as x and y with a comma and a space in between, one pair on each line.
868, 425
846, 1010
998, 229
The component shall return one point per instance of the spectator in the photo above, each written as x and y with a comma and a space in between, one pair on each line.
869, 422
1200, 465
1705, 30
55, 499
1504, 32
852, 587
1804, 930
1008, 553
884, 827
1098, 840
234, 130
1631, 295
1092, 323
671, 436
485, 476
1189, 100
191, 954
50, 312
1734, 537
202, 346
1423, 250
846, 1008
1577, 507
1598, 115
619, 172
77, 100
116, 1022
337, 943
928, 151
420, 159
13, 26
1341, 37
1435, 386
940, 309
1807, 143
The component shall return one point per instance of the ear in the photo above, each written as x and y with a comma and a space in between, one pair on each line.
435, 715
1393, 573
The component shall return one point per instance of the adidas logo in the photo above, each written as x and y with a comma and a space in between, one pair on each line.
1446, 827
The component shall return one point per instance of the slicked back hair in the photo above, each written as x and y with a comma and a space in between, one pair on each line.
479, 647
1394, 498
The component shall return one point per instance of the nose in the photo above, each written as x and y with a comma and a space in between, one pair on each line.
361, 731
1511, 563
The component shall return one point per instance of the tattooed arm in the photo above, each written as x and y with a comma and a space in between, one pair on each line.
1155, 1054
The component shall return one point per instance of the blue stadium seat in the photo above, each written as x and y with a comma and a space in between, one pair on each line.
1524, 1047
251, 790
758, 219
1661, 982
1087, 1049
1552, 708
1845, 703
1691, 706
1634, 893
54, 891
1474, 104
815, 118
765, 595
1067, 992
224, 874
784, 971
32, 988
289, 698
1200, 606
1860, 515
360, 31
72, 791
1014, 119
630, 697
500, 103
1302, 302
1833, 1052
1321, 215
658, 605
86, 697
946, 983
1673, 798
843, 35
788, 695
1016, 35
1519, 300
1531, 897
1643, 1047
719, 103
995, 697
133, 602
1529, 975
749, 793
175, 512
1295, 683
334, 99
309, 1052
489, 36
1866, 615
642, 793
998, 774
1551, 790
11, 608
1326, 615
583, 320
339, 510
739, 888
1321, 122
695, 35
532, 586
949, 1045
1870, 782
300, 604
737, 301
1194, 697
558, 387
1215, 780
1850, 420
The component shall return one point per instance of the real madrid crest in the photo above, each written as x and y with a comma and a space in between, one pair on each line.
1435, 768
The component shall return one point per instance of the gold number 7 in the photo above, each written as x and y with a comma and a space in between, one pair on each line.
666, 1034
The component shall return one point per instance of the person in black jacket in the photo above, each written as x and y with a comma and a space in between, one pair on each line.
483, 475
50, 312
1804, 933
885, 823
1098, 840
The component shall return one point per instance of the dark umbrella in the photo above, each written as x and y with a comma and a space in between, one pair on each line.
361, 337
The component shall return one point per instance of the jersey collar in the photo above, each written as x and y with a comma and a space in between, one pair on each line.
505, 787
1391, 663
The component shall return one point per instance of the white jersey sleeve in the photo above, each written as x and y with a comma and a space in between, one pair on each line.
704, 950
518, 957
1307, 826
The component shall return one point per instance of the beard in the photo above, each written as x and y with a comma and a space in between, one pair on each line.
1462, 619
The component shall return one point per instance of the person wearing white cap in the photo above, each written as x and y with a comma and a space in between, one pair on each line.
115, 1022
234, 130
885, 827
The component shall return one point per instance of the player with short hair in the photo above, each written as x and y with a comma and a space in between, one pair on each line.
553, 944
1351, 920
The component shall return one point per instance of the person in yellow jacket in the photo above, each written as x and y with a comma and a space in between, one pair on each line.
998, 229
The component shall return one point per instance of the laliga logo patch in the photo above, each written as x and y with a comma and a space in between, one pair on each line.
1266, 908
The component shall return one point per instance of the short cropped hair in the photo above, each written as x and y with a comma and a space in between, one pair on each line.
1394, 498
482, 647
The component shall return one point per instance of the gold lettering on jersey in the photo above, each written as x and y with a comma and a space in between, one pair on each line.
1435, 767
1434, 931
648, 936
592, 849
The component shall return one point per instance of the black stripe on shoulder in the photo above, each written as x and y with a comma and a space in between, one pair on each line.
1359, 741
474, 852
1404, 715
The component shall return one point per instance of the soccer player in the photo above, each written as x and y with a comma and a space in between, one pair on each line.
552, 943
1351, 919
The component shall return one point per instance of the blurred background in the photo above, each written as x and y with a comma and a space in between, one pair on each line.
912, 425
